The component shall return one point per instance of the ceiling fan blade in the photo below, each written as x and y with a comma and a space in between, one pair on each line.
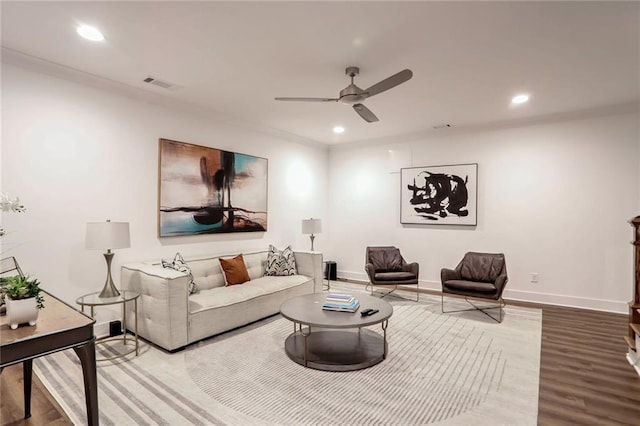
390, 82
365, 113
307, 99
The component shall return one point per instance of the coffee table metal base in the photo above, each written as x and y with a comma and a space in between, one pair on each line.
336, 350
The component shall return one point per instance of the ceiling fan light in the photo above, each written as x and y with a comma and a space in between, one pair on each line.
90, 33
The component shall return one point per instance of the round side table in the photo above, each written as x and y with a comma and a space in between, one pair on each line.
92, 300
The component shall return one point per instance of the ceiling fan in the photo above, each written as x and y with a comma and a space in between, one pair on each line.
353, 95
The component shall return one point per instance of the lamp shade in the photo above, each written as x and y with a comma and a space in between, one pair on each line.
311, 226
107, 235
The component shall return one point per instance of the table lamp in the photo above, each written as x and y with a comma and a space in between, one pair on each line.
106, 236
311, 226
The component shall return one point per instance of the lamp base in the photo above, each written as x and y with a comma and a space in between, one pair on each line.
312, 237
109, 289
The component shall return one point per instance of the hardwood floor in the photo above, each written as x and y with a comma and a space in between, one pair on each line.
584, 376
44, 409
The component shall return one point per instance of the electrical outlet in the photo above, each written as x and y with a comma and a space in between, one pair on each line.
534, 277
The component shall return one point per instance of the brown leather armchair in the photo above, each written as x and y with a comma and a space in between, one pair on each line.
478, 275
385, 266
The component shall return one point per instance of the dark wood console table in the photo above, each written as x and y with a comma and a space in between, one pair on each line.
59, 327
634, 305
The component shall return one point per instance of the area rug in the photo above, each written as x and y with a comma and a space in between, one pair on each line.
445, 369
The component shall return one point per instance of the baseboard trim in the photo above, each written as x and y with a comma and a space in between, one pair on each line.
613, 306
101, 330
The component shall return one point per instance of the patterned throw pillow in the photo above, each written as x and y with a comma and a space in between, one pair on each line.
280, 263
180, 265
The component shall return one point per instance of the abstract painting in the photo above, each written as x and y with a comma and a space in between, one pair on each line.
205, 190
439, 195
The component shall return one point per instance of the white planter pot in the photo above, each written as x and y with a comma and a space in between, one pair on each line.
21, 311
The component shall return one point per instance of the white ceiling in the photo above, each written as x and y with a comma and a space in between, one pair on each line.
468, 58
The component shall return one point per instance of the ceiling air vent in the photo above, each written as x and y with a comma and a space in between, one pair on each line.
160, 83
442, 126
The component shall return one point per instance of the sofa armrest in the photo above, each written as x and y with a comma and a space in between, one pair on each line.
310, 264
448, 274
162, 305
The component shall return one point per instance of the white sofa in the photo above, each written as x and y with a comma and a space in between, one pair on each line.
172, 318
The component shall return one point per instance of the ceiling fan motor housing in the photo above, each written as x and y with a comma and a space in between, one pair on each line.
352, 94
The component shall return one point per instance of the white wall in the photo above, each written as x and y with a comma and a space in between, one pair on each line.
76, 154
554, 197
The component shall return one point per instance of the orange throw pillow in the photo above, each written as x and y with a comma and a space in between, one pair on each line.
235, 271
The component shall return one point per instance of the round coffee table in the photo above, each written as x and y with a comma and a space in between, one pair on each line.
335, 341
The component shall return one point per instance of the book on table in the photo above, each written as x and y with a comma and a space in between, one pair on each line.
341, 302
339, 298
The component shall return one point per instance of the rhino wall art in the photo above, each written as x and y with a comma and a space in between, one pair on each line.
439, 195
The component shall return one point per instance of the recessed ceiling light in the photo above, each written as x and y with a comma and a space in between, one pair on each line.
338, 129
358, 42
520, 99
90, 33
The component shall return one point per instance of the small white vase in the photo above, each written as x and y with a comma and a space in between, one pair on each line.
21, 311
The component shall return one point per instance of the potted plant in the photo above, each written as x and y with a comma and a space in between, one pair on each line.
22, 299
8, 204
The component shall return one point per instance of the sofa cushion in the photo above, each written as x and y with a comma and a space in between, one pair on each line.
225, 296
280, 262
386, 260
208, 274
235, 271
180, 265
255, 263
481, 267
